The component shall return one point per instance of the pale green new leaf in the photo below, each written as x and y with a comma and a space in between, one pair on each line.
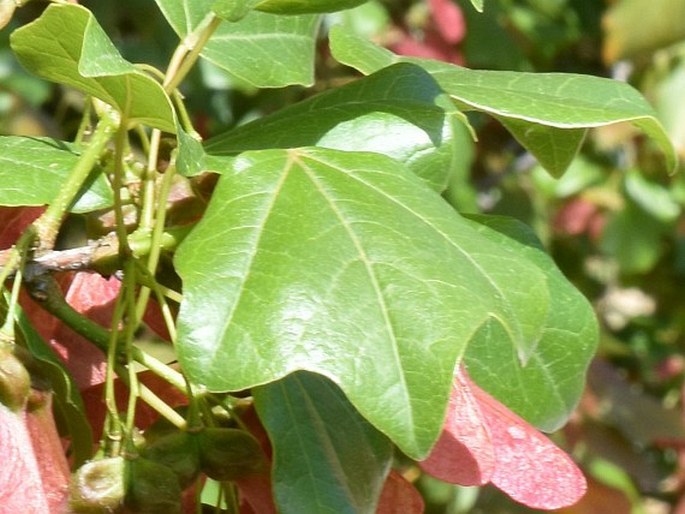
66, 45
261, 49
348, 265
546, 388
340, 460
568, 103
392, 112
32, 171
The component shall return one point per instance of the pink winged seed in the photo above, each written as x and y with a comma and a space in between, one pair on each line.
527, 465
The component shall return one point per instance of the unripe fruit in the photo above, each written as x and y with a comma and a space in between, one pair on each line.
178, 451
98, 487
15, 381
229, 453
153, 489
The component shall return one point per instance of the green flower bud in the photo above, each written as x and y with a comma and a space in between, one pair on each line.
98, 487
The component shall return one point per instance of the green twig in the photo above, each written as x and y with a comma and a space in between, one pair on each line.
47, 226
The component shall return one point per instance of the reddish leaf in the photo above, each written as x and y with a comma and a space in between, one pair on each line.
94, 296
601, 499
52, 464
256, 494
13, 221
529, 467
464, 453
399, 497
449, 20
155, 320
21, 485
482, 439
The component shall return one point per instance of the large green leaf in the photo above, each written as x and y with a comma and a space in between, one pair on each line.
348, 265
392, 112
566, 102
340, 460
546, 387
32, 171
262, 49
66, 45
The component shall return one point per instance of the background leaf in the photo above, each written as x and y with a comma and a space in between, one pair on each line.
32, 170
340, 459
392, 112
317, 260
83, 57
563, 101
261, 49
660, 25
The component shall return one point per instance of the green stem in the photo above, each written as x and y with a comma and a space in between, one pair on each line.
117, 185
196, 42
47, 293
47, 226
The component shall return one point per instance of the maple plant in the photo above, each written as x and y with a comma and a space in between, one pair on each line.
333, 325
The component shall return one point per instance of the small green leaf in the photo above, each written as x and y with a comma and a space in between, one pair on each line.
654, 198
634, 239
566, 102
262, 49
340, 460
546, 387
346, 264
66, 45
392, 112
306, 6
32, 171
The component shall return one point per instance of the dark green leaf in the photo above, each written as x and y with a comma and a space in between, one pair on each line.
545, 387
392, 112
262, 49
68, 403
66, 45
348, 265
340, 460
566, 102
32, 171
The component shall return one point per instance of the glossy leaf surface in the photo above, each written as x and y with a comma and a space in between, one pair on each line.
566, 102
316, 435
346, 264
550, 378
32, 170
261, 49
66, 45
392, 112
